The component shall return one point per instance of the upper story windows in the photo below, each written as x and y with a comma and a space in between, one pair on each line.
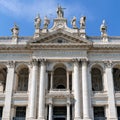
22, 78
3, 76
96, 77
116, 78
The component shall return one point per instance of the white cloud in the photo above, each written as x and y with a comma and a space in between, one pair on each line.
18, 8
21, 9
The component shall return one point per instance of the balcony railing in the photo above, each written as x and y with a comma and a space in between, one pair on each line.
100, 118
19, 118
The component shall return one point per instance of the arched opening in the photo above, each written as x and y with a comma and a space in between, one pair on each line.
23, 76
96, 76
116, 78
3, 76
59, 78
60, 87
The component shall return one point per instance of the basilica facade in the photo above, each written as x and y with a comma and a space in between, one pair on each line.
60, 73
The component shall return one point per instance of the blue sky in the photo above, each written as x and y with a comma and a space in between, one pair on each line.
23, 12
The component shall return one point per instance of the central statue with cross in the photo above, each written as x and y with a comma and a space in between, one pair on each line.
60, 12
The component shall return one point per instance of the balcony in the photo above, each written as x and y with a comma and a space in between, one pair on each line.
100, 118
19, 118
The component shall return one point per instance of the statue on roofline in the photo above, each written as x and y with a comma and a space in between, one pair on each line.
73, 22
82, 22
103, 28
60, 12
15, 30
46, 22
37, 22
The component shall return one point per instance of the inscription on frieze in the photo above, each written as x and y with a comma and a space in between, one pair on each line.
104, 56
14, 56
60, 53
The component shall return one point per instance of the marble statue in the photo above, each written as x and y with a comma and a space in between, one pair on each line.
15, 30
60, 12
37, 22
82, 21
73, 22
103, 28
46, 22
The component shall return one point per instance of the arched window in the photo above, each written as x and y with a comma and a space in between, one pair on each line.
59, 78
116, 78
97, 83
23, 76
3, 76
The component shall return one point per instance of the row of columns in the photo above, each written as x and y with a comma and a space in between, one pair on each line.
33, 91
85, 97
41, 101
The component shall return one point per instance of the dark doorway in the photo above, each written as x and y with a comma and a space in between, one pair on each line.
59, 113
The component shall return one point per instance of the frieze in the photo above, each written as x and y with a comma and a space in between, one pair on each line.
14, 56
104, 56
59, 54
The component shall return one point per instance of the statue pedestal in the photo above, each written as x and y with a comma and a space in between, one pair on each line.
82, 33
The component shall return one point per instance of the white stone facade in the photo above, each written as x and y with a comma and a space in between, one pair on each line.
52, 75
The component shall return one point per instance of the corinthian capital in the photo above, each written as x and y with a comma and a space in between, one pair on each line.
34, 62
108, 64
11, 64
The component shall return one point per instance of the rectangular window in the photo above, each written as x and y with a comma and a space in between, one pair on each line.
99, 113
20, 113
1, 110
118, 112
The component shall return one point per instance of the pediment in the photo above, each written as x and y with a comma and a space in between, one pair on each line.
59, 37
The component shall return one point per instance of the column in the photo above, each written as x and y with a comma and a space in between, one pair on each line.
85, 87
110, 91
77, 98
50, 109
41, 107
8, 91
68, 109
33, 90
68, 83
51, 81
